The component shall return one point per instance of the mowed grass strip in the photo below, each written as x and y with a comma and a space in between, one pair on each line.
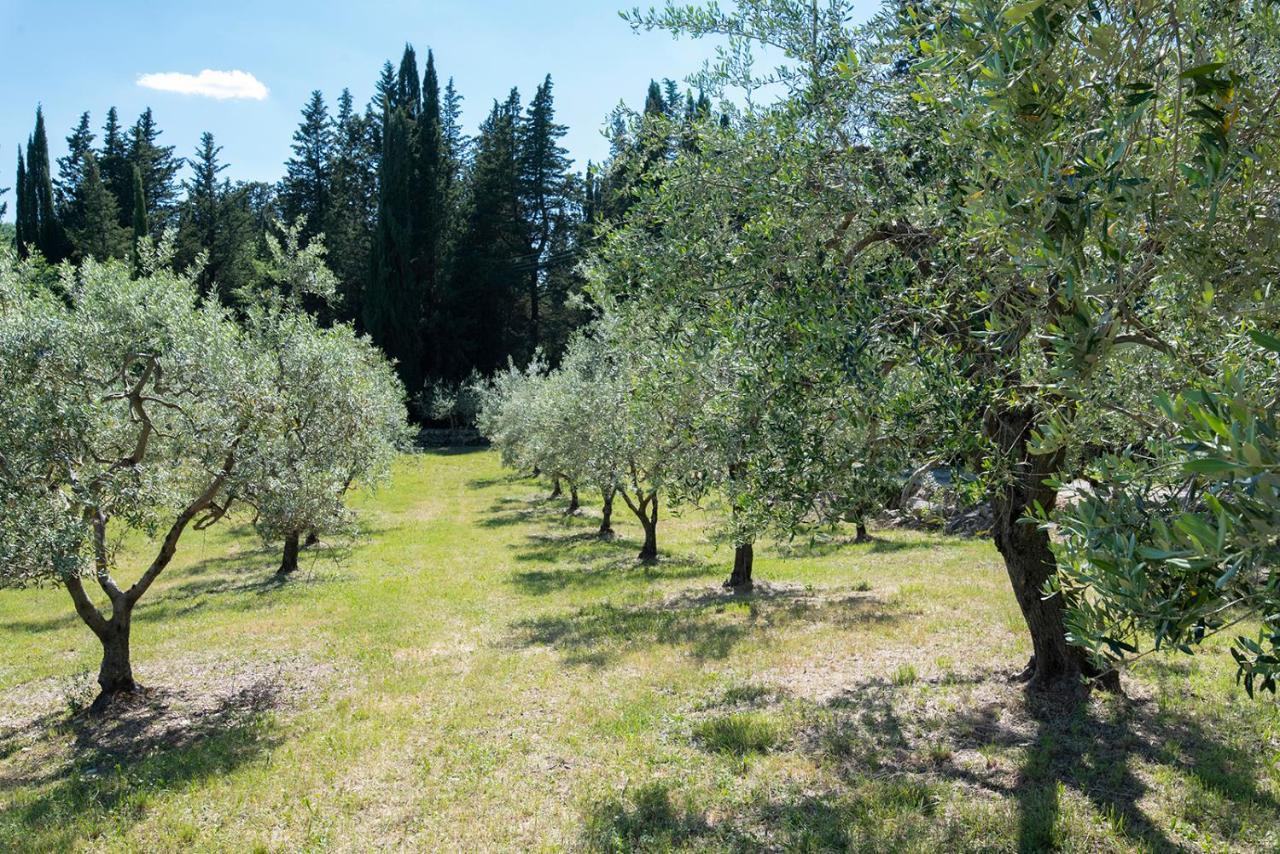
482, 673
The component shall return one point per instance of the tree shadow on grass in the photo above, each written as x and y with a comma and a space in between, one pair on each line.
508, 511
896, 751
81, 774
827, 546
706, 624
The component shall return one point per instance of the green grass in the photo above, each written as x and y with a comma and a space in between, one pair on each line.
481, 673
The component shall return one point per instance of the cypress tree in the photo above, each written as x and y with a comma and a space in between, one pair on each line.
139, 218
306, 188
97, 233
22, 236
45, 228
158, 169
199, 215
429, 211
408, 87
392, 304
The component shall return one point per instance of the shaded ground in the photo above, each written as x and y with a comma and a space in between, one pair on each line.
484, 673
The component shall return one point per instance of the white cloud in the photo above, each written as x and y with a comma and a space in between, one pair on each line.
222, 85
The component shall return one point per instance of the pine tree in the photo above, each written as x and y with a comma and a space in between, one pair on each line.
544, 184
348, 233
306, 190
387, 95
158, 169
199, 218
71, 168
484, 316
654, 105
96, 232
113, 163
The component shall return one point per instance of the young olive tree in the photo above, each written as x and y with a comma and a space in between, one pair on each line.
127, 404
131, 405
340, 413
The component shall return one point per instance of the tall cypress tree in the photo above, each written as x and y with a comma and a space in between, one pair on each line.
22, 236
139, 218
158, 169
44, 228
393, 304
306, 189
408, 87
429, 217
544, 184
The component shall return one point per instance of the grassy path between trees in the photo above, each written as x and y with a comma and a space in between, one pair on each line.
481, 673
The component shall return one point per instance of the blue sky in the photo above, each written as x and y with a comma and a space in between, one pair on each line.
76, 55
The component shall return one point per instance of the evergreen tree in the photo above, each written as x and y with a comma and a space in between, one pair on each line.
139, 218
429, 213
22, 236
113, 163
158, 169
387, 95
408, 86
484, 308
544, 184
43, 228
71, 168
393, 304
95, 232
306, 189
348, 232
216, 221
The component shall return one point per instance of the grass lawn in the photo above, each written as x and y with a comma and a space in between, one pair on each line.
481, 673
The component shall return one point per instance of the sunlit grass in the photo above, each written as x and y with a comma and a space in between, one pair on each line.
482, 673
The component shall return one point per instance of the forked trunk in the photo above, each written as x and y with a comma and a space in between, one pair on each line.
606, 520
743, 559
289, 561
649, 551
556, 489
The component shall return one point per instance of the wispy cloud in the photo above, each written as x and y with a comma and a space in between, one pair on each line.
222, 85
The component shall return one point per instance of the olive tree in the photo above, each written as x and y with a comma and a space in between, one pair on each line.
1043, 206
127, 404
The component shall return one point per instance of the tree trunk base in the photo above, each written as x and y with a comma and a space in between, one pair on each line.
118, 695
863, 536
743, 562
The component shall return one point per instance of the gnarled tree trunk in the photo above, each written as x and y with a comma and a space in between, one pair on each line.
574, 504
115, 675
862, 536
556, 489
743, 560
289, 560
1028, 555
606, 520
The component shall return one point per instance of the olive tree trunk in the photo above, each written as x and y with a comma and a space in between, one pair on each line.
289, 560
574, 504
1028, 555
862, 536
606, 520
645, 509
743, 560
